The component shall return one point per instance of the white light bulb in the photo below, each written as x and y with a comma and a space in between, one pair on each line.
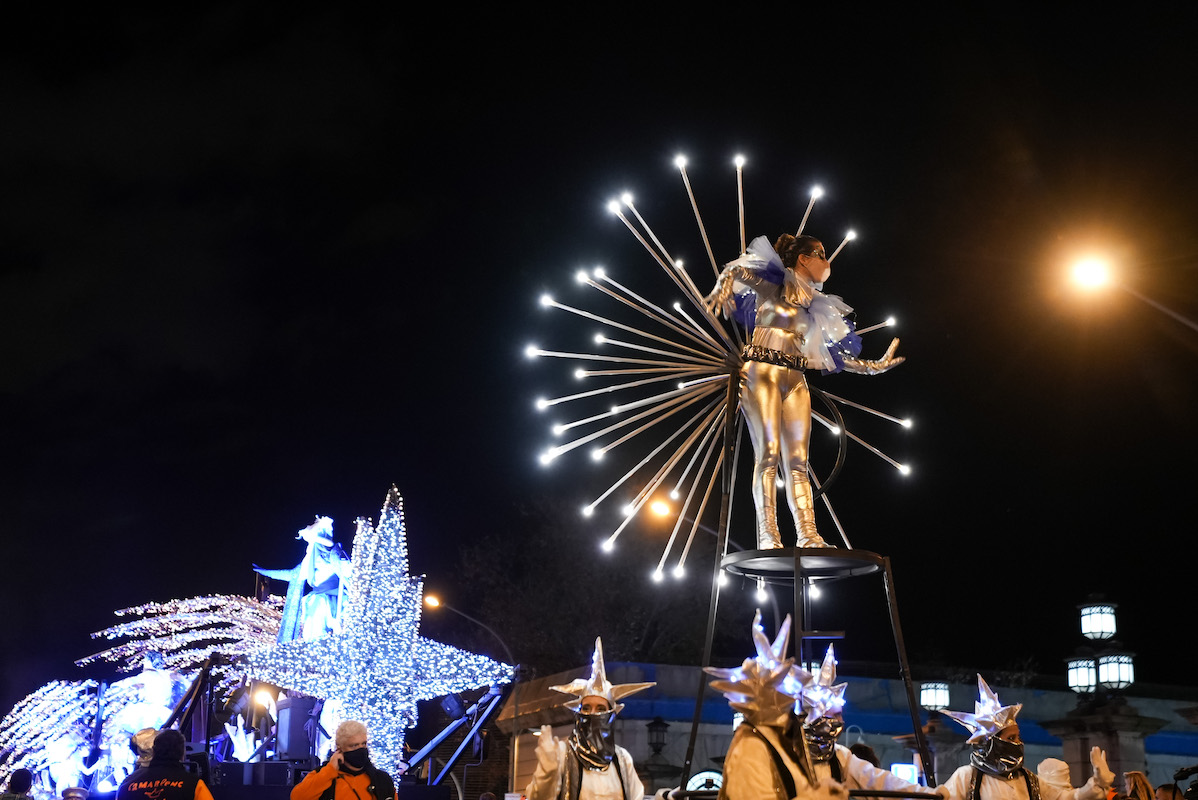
597, 454
908, 423
891, 321
739, 161
614, 206
680, 161
628, 510
657, 576
588, 511
674, 494
816, 192
558, 430
607, 546
600, 338
581, 276
761, 595
546, 300
600, 272
813, 592
626, 198
580, 373
851, 235
679, 571
542, 404
532, 351
904, 469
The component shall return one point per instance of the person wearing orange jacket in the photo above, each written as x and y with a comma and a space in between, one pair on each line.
349, 773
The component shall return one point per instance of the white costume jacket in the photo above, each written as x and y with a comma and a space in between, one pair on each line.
992, 788
603, 784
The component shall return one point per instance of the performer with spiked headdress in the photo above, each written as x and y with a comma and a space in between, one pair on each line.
775, 292
589, 765
996, 770
823, 704
762, 762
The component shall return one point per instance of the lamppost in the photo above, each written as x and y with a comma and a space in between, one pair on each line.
1110, 668
1095, 273
432, 601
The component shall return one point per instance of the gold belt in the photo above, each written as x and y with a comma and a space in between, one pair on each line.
755, 352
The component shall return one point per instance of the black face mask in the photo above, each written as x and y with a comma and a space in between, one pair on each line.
998, 757
356, 759
591, 740
822, 735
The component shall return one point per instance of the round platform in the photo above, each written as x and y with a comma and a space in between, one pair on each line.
783, 564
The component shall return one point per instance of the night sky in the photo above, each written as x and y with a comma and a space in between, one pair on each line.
257, 265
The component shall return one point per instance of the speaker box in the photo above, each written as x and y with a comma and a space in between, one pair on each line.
293, 743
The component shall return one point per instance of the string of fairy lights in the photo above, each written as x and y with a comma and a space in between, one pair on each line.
662, 371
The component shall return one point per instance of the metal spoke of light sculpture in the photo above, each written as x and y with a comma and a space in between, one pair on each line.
666, 367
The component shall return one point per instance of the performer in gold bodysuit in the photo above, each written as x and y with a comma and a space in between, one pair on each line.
775, 293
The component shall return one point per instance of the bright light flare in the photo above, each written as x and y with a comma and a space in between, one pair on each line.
904, 469
660, 507
816, 193
582, 276
532, 351
588, 511
680, 161
1092, 273
541, 404
607, 546
546, 300
813, 592
626, 198
600, 338
908, 423
679, 572
891, 322
739, 161
597, 454
613, 206
579, 374
658, 577
432, 601
761, 594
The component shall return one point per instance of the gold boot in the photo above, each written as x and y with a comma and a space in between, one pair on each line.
765, 498
803, 506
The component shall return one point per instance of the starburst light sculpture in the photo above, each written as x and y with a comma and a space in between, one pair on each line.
664, 371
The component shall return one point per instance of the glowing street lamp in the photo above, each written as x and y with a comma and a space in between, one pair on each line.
432, 601
1092, 273
933, 695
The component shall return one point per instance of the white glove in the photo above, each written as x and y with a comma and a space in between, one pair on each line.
547, 749
1102, 774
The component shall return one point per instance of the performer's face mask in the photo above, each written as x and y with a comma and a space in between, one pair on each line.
999, 757
822, 735
592, 739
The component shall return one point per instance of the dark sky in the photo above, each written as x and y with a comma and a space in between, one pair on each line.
256, 266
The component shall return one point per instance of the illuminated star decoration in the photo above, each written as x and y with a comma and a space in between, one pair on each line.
598, 685
989, 716
820, 697
659, 373
764, 688
378, 667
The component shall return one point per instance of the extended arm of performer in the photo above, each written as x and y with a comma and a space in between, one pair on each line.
546, 779
863, 366
860, 774
1096, 787
737, 277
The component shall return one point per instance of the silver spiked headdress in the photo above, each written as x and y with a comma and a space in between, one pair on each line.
598, 685
989, 716
820, 697
764, 688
